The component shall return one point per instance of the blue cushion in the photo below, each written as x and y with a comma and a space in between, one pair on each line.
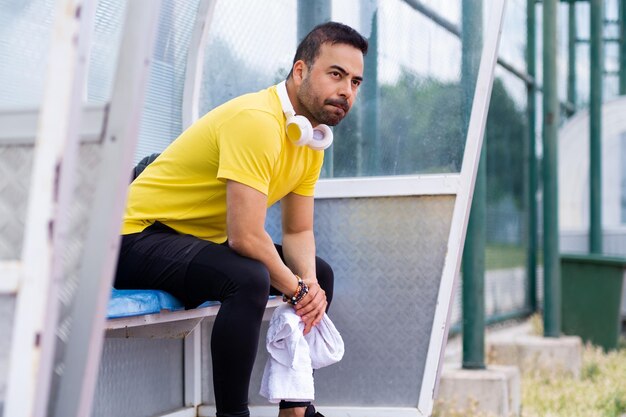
126, 303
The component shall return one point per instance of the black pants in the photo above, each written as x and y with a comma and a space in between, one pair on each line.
194, 271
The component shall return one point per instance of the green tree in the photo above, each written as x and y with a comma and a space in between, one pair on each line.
505, 134
345, 148
226, 76
421, 129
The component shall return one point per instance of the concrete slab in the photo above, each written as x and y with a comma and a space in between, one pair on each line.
495, 391
554, 356
503, 331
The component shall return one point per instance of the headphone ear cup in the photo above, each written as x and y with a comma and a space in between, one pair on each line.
322, 138
299, 130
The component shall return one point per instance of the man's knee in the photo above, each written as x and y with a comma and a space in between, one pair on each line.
325, 277
253, 281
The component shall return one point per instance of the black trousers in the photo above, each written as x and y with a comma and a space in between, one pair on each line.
194, 271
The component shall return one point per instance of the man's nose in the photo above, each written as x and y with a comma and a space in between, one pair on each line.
345, 88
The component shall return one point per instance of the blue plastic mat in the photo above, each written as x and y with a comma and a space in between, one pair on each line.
128, 303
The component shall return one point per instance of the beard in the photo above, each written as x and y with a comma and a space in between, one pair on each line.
324, 111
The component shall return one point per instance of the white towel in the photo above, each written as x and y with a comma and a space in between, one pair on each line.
325, 344
288, 373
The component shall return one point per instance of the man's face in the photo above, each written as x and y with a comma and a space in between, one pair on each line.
329, 87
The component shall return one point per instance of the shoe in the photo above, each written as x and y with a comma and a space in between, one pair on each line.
310, 412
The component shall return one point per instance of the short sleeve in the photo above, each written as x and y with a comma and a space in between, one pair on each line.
307, 186
249, 146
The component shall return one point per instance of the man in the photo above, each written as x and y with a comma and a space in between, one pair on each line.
194, 222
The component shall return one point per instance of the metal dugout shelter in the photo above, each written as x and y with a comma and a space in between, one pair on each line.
395, 244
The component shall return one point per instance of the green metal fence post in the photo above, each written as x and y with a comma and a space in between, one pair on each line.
571, 56
370, 132
474, 254
551, 262
622, 47
595, 125
531, 257
310, 14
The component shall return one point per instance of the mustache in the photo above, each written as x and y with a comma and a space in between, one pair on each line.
342, 103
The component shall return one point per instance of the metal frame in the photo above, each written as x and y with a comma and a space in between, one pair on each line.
37, 278
169, 324
550, 123
175, 325
10, 273
183, 412
439, 184
84, 342
19, 126
195, 62
178, 324
455, 30
268, 411
460, 216
596, 52
461, 185
192, 358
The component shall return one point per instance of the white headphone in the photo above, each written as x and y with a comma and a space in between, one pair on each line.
299, 129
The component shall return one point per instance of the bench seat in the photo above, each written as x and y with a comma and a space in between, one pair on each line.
158, 314
129, 303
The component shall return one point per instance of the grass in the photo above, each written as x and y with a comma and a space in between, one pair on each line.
504, 256
507, 256
600, 392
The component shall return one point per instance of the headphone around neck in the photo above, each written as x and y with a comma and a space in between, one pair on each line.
299, 129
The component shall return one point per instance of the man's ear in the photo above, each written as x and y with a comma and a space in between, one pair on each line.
299, 71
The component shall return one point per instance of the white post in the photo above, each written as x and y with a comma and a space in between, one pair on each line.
32, 346
195, 62
460, 215
84, 342
193, 367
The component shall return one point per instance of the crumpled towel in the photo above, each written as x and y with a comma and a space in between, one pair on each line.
288, 373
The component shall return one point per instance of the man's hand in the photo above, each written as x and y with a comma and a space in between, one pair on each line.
312, 307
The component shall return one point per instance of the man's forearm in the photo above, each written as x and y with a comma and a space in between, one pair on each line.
299, 253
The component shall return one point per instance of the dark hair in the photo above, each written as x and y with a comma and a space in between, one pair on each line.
330, 32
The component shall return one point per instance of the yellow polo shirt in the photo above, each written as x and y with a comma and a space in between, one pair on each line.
242, 140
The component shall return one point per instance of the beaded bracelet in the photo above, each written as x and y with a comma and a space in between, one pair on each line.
301, 291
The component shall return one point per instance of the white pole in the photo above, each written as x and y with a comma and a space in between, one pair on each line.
32, 346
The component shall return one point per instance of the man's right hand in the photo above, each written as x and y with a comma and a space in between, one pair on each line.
312, 307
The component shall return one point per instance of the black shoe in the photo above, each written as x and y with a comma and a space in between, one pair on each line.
310, 412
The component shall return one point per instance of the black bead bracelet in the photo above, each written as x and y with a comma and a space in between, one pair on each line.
301, 291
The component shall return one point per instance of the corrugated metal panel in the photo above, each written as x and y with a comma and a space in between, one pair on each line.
15, 169
139, 378
7, 308
162, 116
387, 254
